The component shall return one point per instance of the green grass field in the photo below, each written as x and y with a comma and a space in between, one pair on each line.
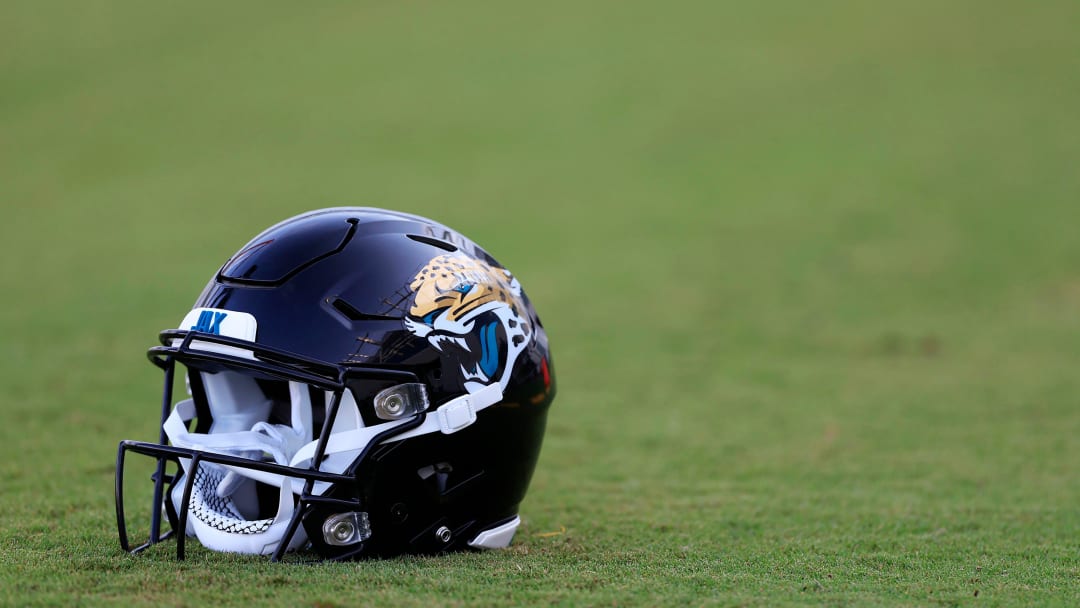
811, 273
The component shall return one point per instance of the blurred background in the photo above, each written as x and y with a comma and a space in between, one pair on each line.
809, 269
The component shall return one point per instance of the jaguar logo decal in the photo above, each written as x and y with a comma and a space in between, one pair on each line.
473, 312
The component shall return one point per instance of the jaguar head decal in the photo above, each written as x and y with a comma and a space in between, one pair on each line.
472, 312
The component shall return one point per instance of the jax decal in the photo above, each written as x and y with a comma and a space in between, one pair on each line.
209, 322
470, 311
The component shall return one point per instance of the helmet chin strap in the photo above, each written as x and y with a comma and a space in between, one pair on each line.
277, 440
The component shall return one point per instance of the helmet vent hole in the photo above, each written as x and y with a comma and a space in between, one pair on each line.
441, 244
353, 314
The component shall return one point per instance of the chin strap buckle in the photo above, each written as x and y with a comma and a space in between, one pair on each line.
460, 412
456, 415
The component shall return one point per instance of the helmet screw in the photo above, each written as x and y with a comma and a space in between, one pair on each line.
394, 405
342, 530
443, 534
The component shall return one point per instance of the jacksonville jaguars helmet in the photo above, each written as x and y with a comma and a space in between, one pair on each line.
357, 382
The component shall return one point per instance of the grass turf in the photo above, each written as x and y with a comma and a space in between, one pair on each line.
811, 273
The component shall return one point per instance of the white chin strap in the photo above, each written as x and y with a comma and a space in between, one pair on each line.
221, 493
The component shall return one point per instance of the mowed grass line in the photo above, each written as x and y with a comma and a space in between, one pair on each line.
811, 275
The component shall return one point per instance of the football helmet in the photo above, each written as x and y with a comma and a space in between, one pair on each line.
359, 382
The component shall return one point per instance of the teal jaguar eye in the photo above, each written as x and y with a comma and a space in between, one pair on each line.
463, 288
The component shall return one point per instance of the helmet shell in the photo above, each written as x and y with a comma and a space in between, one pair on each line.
342, 286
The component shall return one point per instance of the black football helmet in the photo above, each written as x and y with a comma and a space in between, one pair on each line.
360, 382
